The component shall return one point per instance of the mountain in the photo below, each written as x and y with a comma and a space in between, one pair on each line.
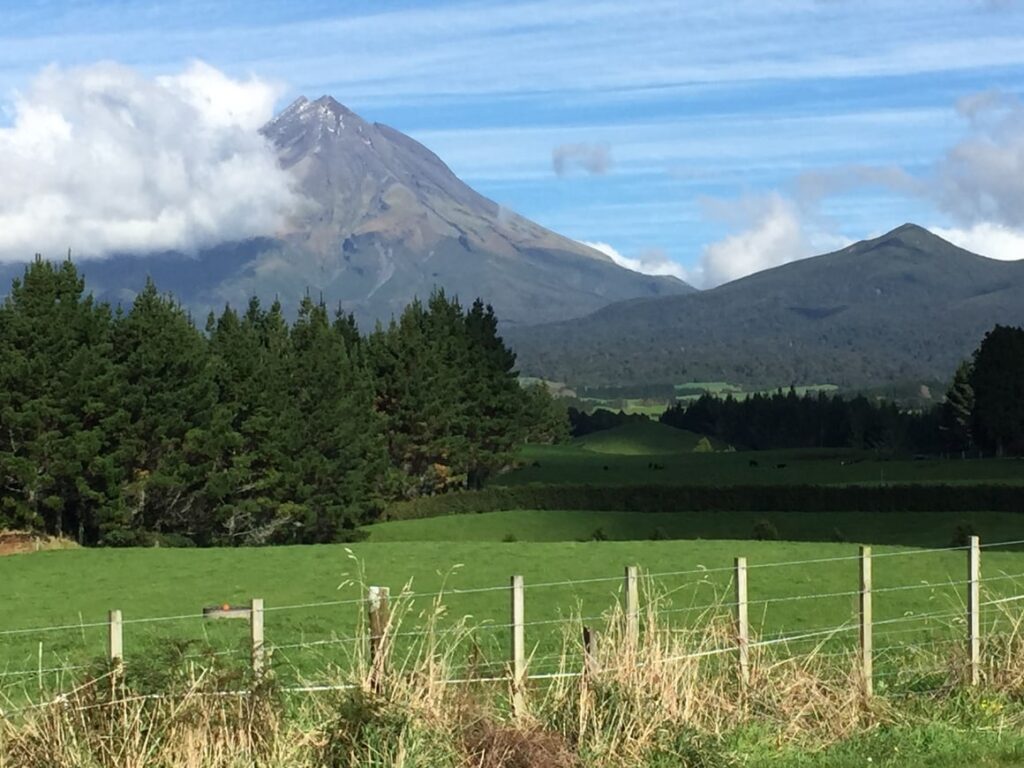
387, 220
907, 306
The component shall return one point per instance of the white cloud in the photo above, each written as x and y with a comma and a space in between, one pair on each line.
986, 239
773, 231
102, 159
222, 102
981, 178
649, 262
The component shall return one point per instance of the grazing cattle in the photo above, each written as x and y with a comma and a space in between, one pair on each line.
605, 467
780, 466
752, 463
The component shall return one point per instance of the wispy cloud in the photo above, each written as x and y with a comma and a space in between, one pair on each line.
771, 230
498, 47
651, 261
712, 148
981, 178
595, 159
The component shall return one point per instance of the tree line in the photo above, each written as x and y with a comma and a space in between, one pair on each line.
133, 426
983, 412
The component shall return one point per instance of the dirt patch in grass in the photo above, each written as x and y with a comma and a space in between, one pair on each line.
490, 745
21, 542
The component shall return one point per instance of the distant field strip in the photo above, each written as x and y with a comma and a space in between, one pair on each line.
573, 463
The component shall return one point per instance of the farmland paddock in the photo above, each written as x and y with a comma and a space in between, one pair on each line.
971, 626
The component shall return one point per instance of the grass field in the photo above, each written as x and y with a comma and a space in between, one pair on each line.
802, 589
78, 587
911, 529
574, 463
643, 438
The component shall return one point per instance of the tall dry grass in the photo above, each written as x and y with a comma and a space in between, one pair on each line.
669, 694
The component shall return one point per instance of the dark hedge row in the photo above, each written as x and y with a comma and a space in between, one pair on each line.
774, 498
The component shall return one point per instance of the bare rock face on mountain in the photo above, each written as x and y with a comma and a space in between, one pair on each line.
385, 221
903, 307
389, 221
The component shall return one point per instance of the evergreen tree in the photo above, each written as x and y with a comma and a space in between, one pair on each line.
997, 379
546, 418
496, 417
335, 445
133, 427
251, 410
416, 393
958, 408
169, 446
59, 406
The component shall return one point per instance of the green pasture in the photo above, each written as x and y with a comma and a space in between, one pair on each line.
910, 529
74, 589
575, 463
644, 438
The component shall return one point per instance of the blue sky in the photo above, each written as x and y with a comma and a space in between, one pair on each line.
730, 136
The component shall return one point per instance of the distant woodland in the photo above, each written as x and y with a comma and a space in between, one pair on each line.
983, 411
127, 426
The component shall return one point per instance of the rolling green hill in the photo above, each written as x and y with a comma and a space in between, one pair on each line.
643, 438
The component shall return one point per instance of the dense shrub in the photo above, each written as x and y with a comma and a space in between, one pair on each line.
962, 535
765, 530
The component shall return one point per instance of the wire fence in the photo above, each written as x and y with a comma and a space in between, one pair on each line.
514, 650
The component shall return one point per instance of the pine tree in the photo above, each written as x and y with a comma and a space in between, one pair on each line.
240, 486
958, 408
546, 419
415, 364
997, 378
59, 406
496, 406
334, 443
170, 395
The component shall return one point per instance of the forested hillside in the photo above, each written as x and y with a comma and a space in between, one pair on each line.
128, 426
904, 307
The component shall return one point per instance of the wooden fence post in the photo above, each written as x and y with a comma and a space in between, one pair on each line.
256, 634
974, 609
518, 650
115, 638
590, 662
742, 622
866, 637
379, 616
632, 606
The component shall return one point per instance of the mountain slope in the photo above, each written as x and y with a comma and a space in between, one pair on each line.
906, 306
386, 221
